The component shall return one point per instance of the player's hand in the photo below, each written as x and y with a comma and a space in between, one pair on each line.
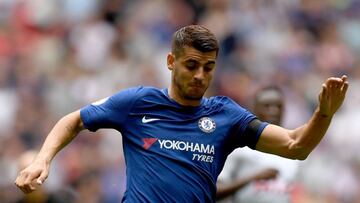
332, 95
35, 174
266, 174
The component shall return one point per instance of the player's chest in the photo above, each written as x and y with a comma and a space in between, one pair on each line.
207, 128
197, 138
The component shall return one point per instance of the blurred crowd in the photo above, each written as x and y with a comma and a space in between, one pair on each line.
57, 56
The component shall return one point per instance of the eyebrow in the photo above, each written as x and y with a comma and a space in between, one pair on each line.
210, 62
196, 61
192, 60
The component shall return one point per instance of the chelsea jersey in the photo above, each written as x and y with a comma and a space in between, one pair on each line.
173, 153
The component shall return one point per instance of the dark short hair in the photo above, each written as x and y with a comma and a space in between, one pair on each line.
195, 36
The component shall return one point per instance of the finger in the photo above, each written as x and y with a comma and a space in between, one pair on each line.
24, 188
28, 188
339, 83
19, 185
42, 178
339, 87
20, 179
39, 181
328, 82
31, 177
23, 183
28, 183
323, 93
32, 187
336, 85
334, 82
344, 78
345, 87
334, 79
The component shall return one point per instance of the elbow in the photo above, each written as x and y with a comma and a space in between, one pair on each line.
302, 157
298, 152
298, 156
72, 122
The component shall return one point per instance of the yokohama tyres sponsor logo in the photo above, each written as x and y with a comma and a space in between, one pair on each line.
201, 152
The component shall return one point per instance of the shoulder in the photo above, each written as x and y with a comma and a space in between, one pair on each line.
229, 108
138, 92
148, 90
224, 102
139, 96
220, 100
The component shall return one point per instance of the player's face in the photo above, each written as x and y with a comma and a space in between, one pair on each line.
269, 107
192, 72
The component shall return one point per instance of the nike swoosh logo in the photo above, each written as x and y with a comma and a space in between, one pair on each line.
148, 120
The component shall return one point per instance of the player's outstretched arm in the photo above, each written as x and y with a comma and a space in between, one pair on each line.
62, 133
298, 143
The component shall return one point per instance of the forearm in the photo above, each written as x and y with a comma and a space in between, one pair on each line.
308, 136
62, 133
294, 144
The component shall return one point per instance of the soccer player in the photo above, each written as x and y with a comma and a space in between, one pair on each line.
253, 172
175, 140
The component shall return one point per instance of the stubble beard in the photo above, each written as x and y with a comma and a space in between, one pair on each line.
196, 96
187, 94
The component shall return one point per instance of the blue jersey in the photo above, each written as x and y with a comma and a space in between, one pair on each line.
173, 153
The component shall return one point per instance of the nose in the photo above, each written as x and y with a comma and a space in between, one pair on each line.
199, 74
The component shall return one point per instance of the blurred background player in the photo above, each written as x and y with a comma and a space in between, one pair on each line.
257, 167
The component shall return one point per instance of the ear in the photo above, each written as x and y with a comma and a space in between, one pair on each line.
170, 61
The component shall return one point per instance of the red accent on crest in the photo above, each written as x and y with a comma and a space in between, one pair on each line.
148, 142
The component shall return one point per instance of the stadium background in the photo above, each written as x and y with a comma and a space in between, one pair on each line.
57, 56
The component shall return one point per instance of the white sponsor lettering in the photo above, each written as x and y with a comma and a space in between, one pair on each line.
187, 146
202, 157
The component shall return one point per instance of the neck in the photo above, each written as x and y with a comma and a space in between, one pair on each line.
173, 94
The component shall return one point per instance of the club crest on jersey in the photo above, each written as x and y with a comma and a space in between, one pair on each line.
207, 124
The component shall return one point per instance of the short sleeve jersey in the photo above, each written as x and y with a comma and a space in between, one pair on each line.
173, 153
